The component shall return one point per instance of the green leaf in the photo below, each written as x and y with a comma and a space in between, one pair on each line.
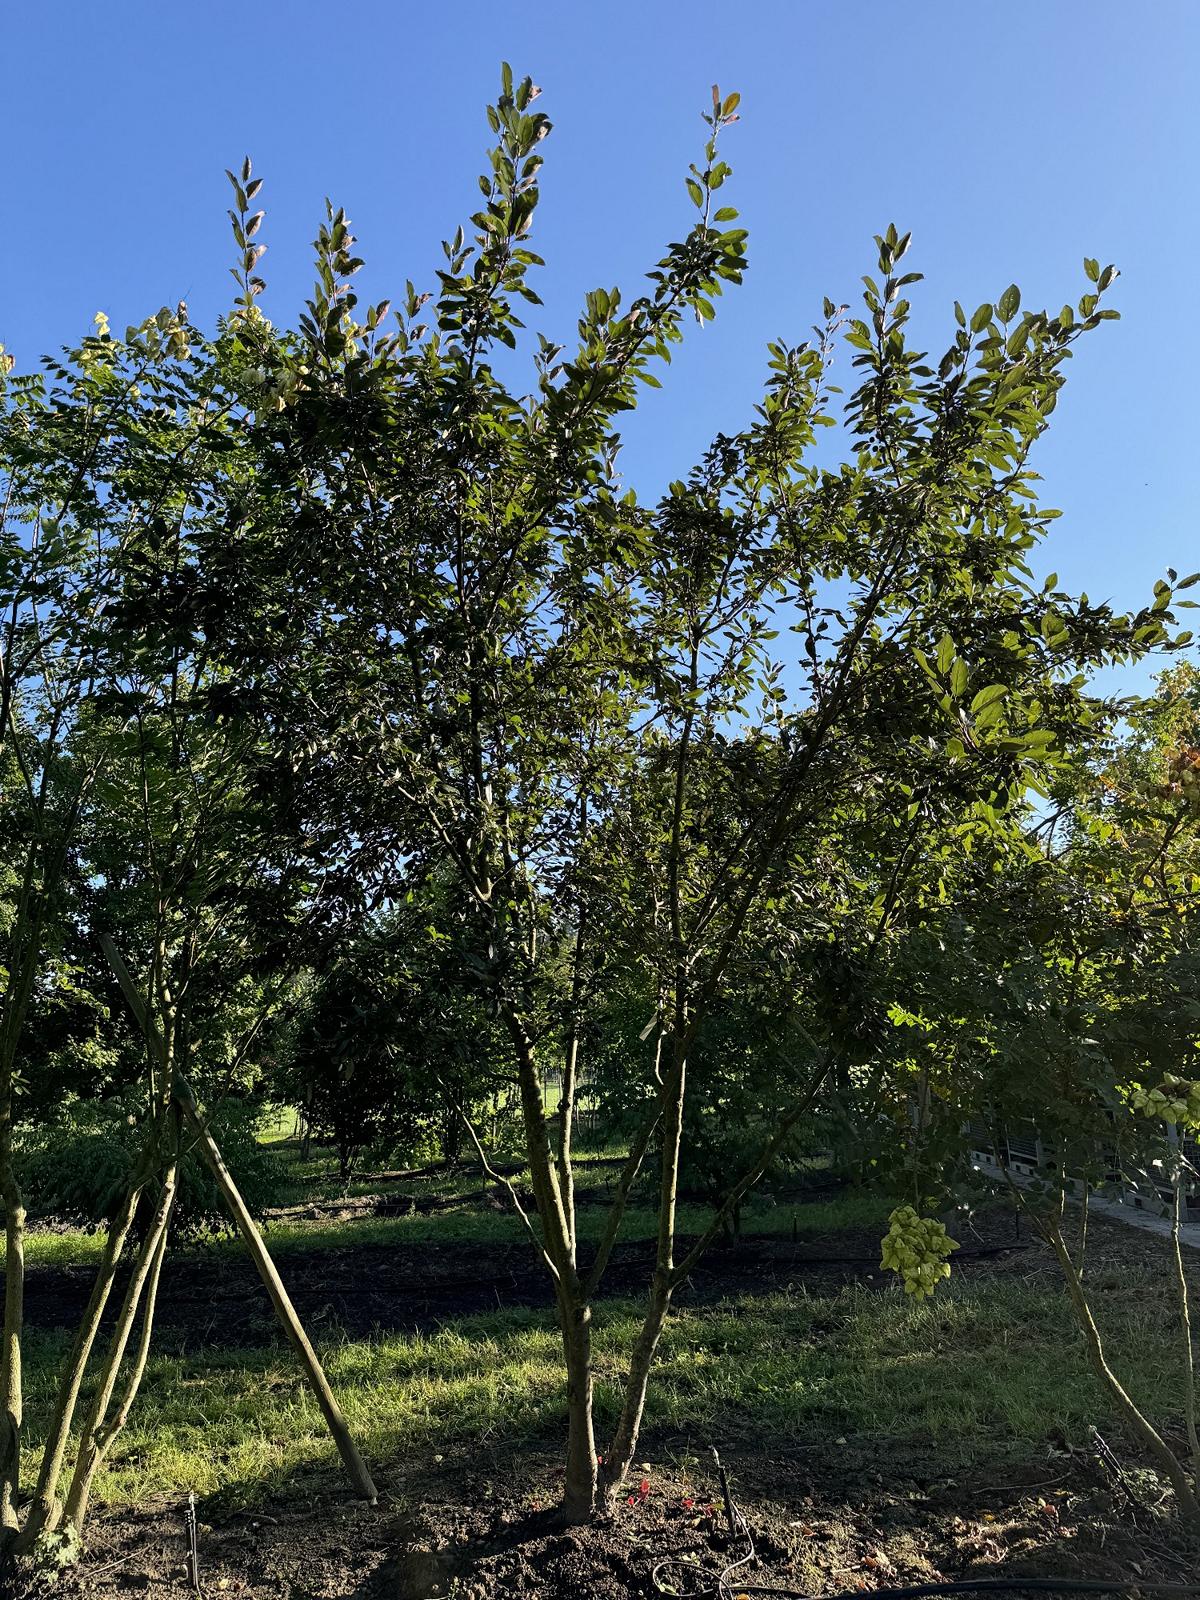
1018, 338
994, 693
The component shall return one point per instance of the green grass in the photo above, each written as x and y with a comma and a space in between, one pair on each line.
990, 1365
978, 1370
466, 1223
71, 1248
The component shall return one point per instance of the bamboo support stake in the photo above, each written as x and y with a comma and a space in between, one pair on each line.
255, 1244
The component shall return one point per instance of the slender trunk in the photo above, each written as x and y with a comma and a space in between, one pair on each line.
637, 1380
629, 1423
566, 1169
616, 1214
252, 1238
280, 1299
542, 1172
46, 1511
11, 1389
97, 1434
1185, 1317
575, 1316
1161, 1453
451, 1137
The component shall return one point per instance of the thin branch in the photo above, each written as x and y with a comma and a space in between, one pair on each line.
498, 1177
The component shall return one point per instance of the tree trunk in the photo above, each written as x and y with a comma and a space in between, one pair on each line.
1185, 1318
582, 1476
46, 1510
637, 1380
575, 1316
280, 1299
97, 1434
11, 1402
620, 1455
452, 1137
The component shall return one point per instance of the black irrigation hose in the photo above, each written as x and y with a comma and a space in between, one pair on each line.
1011, 1585
918, 1591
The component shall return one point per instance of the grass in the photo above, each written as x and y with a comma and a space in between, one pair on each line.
992, 1365
465, 1222
980, 1369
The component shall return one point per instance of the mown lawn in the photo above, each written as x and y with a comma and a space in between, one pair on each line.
466, 1222
992, 1363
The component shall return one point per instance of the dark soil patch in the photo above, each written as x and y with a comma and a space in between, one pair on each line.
822, 1519
212, 1298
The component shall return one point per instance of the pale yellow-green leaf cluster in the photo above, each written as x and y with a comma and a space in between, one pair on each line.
1175, 1100
916, 1247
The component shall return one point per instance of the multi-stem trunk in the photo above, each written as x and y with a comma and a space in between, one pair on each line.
46, 1510
100, 1429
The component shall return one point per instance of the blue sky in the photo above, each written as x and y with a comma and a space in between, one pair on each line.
1012, 139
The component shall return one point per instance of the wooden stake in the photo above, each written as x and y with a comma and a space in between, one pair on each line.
253, 1239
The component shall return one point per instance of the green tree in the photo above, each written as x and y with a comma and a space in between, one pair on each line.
581, 703
1053, 990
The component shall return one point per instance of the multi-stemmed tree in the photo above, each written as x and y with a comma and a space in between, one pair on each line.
632, 731
93, 450
143, 804
343, 610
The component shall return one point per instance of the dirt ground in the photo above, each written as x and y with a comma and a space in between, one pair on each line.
847, 1519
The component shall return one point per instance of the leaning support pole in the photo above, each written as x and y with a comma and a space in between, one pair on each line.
247, 1227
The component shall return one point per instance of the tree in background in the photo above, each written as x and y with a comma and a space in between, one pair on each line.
388, 1047
1053, 991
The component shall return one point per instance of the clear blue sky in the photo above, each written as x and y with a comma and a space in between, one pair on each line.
1012, 139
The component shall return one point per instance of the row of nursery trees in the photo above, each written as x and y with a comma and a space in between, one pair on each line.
787, 794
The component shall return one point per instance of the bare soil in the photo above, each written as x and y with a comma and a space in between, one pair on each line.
844, 1517
215, 1298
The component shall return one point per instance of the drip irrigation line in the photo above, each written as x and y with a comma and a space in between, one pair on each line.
1014, 1585
725, 1589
